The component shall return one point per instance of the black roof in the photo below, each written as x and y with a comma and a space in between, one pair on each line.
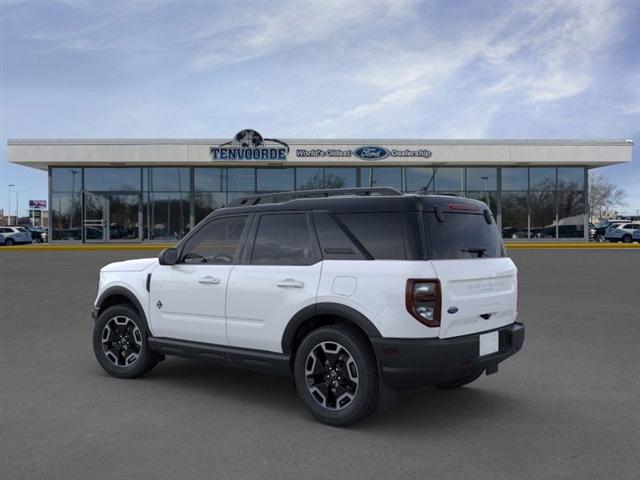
352, 200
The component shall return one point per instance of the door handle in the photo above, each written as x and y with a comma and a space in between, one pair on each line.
290, 283
209, 280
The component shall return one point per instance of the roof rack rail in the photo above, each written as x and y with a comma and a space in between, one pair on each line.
280, 197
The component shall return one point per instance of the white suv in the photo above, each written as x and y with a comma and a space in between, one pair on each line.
355, 293
15, 235
622, 232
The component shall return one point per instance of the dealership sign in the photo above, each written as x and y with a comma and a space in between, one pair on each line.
250, 145
38, 204
366, 152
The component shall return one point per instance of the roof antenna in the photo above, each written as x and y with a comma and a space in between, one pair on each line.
426, 189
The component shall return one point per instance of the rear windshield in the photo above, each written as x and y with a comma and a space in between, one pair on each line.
461, 235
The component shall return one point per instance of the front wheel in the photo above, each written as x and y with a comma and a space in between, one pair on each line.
120, 343
9, 242
36, 241
626, 239
336, 375
599, 238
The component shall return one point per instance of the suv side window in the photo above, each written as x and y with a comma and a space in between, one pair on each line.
216, 243
334, 242
283, 239
380, 233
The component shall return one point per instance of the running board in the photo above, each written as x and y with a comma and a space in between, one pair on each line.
260, 360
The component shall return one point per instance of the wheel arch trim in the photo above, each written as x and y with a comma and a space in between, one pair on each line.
124, 292
325, 308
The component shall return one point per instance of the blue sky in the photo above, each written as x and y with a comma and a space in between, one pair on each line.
322, 69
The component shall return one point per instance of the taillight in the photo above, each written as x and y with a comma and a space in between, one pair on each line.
423, 301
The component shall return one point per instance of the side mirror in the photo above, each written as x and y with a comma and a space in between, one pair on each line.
168, 256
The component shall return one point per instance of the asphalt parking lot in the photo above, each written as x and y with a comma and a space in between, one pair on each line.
567, 406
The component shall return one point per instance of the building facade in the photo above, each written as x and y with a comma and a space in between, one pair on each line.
133, 190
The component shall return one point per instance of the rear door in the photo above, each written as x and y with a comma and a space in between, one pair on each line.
278, 277
478, 282
188, 300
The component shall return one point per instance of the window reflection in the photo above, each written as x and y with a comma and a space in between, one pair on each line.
340, 178
66, 179
112, 179
450, 180
385, 177
515, 179
515, 215
241, 179
167, 215
309, 178
484, 179
570, 178
571, 211
209, 179
207, 202
418, 178
66, 216
275, 180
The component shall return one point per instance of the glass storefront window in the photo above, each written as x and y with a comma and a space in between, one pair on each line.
275, 179
450, 180
112, 179
570, 178
385, 177
66, 216
543, 214
490, 198
515, 179
66, 179
166, 179
209, 179
542, 178
515, 215
167, 215
340, 178
241, 179
207, 202
482, 179
309, 178
417, 178
571, 211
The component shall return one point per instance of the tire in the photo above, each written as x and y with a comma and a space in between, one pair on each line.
9, 242
460, 382
626, 239
121, 328
323, 388
599, 238
36, 241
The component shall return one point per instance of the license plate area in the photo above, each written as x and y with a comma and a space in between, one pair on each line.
489, 343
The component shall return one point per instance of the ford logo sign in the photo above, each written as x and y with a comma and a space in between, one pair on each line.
371, 153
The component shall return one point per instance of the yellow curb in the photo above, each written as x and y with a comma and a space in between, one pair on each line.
582, 246
160, 246
80, 247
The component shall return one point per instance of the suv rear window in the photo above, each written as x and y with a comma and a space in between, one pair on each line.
461, 235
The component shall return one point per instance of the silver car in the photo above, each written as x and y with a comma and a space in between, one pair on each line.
15, 235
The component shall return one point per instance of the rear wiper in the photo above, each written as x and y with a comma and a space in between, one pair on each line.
479, 251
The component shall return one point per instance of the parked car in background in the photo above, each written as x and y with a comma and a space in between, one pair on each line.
636, 236
38, 234
622, 233
15, 235
599, 231
1, 239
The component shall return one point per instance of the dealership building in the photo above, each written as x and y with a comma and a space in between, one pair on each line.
133, 190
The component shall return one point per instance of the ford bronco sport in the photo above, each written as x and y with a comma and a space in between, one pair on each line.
352, 292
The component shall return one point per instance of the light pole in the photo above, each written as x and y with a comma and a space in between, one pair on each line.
18, 192
9, 211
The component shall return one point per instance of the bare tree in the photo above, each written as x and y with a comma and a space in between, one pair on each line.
604, 196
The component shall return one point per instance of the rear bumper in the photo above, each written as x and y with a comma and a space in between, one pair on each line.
413, 363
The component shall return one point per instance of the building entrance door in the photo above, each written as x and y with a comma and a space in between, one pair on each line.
112, 217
